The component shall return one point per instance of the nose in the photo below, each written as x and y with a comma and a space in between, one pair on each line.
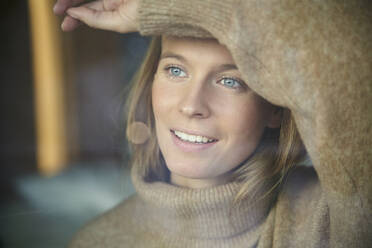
194, 102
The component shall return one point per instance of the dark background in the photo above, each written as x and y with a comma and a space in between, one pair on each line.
37, 211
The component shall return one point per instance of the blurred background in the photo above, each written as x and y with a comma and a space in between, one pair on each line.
63, 150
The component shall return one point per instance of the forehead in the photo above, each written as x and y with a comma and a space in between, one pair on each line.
198, 49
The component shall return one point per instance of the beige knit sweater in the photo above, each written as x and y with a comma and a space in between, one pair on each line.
314, 57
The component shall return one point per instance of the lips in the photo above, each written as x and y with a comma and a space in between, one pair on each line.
192, 138
190, 142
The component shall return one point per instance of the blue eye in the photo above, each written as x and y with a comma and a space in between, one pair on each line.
176, 71
231, 83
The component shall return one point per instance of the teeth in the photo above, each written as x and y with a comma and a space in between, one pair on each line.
192, 138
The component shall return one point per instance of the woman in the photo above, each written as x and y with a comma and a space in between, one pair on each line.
201, 177
312, 57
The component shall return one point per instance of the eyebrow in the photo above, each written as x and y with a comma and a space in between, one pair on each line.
223, 67
227, 67
167, 55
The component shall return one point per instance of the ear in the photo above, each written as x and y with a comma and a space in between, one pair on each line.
275, 117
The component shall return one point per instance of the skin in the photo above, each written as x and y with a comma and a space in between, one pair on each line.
198, 89
113, 15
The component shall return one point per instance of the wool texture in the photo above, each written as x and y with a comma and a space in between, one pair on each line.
164, 215
313, 57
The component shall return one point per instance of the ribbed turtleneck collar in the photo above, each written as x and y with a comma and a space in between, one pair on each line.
205, 213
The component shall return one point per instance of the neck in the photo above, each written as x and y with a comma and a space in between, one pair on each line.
203, 214
197, 183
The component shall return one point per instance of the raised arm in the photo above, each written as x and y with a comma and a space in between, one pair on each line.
314, 57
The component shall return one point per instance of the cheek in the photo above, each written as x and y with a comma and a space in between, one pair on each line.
246, 114
163, 98
248, 118
158, 103
159, 107
163, 105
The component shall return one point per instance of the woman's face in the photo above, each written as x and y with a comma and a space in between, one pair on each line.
207, 119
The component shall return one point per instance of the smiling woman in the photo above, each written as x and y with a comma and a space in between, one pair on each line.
204, 92
213, 164
215, 158
208, 127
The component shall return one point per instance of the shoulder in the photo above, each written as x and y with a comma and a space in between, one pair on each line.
115, 226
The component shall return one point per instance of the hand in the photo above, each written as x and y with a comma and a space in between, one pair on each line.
112, 15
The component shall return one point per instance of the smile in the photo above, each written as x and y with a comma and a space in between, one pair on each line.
197, 139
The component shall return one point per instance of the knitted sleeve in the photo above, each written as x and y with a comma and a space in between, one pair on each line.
314, 57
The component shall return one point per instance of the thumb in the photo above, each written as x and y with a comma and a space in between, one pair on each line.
101, 19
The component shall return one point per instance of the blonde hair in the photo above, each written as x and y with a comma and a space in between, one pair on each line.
277, 152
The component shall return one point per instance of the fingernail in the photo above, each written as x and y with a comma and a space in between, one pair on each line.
63, 26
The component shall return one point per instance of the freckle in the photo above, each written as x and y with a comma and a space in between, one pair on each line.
138, 132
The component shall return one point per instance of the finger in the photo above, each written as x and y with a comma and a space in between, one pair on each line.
101, 5
70, 24
111, 4
61, 6
96, 5
107, 20
107, 5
